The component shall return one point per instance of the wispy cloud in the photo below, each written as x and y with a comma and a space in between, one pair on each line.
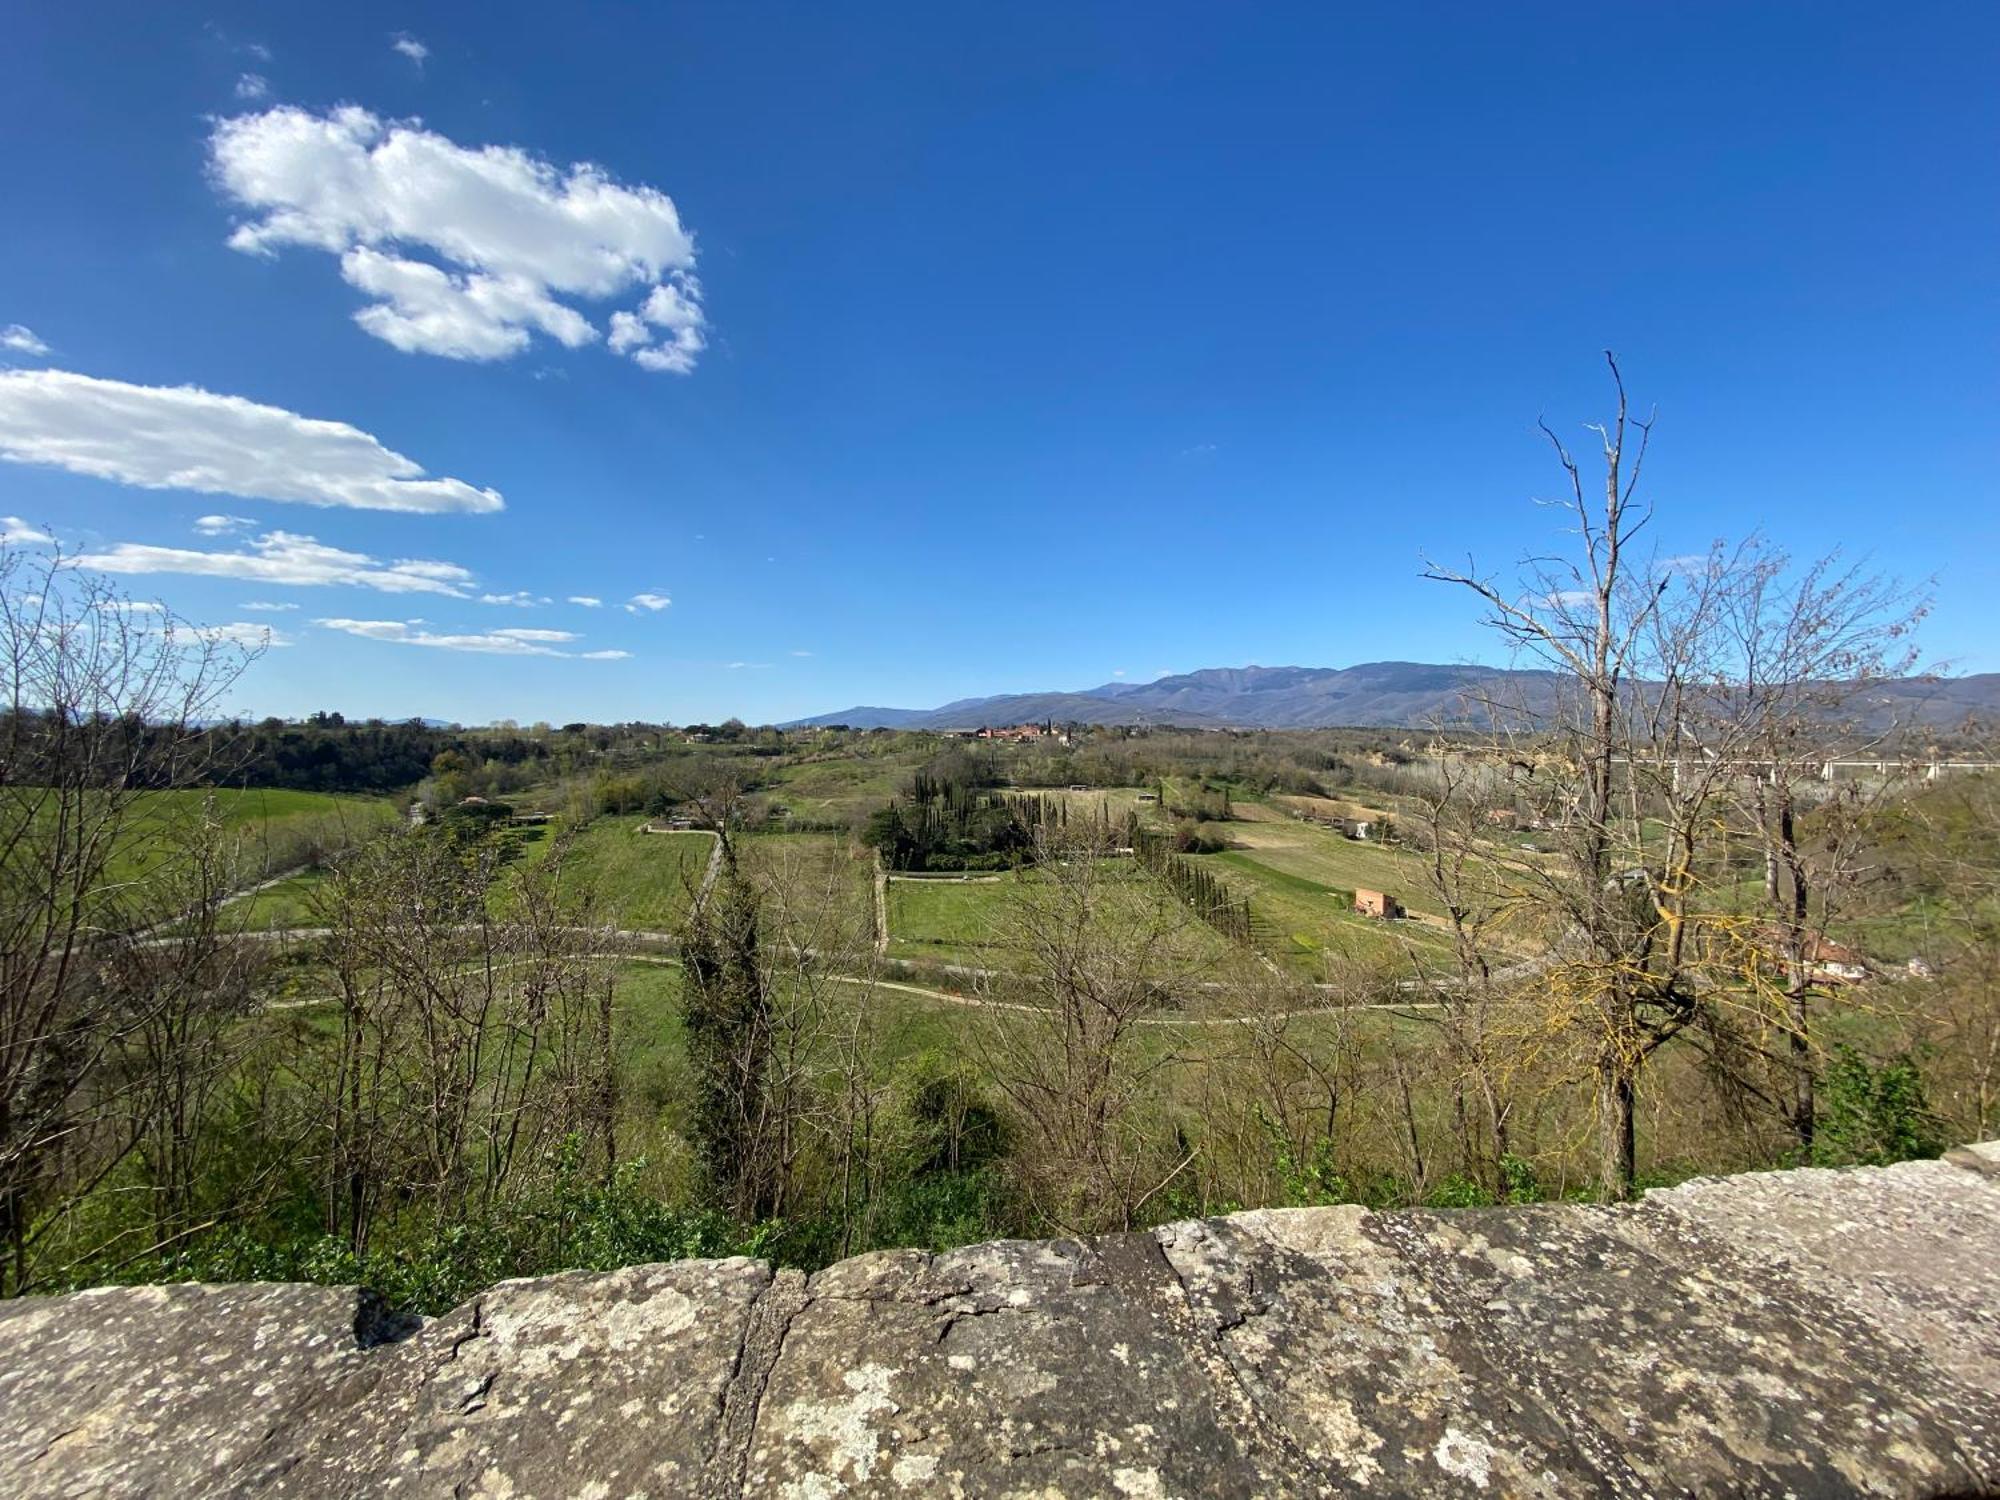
19, 533
520, 598
186, 438
220, 525
652, 602
263, 607
801, 653
486, 642
588, 601
252, 86
22, 340
410, 47
241, 633
281, 557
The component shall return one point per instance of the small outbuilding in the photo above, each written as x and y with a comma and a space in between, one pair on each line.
1376, 904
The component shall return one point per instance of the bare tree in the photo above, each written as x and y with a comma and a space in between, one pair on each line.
102, 703
1102, 953
1619, 894
1797, 650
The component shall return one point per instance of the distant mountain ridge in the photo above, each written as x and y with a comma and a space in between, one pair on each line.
1381, 694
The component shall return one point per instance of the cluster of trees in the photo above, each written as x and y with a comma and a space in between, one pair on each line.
946, 820
1204, 894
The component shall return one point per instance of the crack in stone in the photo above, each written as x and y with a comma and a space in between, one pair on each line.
1201, 1333
770, 1322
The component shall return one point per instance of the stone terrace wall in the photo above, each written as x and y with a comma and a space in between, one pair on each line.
1795, 1333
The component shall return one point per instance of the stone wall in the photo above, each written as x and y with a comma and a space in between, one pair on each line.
1793, 1333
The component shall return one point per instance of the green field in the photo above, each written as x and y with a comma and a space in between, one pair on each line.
641, 880
948, 921
286, 904
969, 922
842, 788
1304, 924
817, 887
267, 830
1327, 858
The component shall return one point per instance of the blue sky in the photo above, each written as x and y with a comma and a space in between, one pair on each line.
934, 350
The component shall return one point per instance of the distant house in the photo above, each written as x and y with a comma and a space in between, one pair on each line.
528, 820
1826, 962
1834, 963
669, 825
1376, 904
1016, 732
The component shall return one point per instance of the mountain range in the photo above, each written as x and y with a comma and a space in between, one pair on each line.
1381, 694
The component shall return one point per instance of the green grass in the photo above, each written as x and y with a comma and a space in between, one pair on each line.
641, 879
967, 922
841, 787
1327, 859
1304, 923
818, 888
948, 921
268, 830
286, 904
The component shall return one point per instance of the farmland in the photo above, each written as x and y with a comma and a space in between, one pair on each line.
1026, 937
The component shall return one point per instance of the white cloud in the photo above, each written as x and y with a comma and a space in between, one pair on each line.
283, 558
253, 86
425, 311
738, 666
410, 47
646, 601
802, 653
512, 235
545, 636
588, 601
18, 533
605, 656
186, 438
674, 307
520, 598
269, 609
488, 643
22, 340
220, 525
240, 633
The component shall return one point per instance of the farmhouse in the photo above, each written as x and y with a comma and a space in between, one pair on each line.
1826, 962
1376, 904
